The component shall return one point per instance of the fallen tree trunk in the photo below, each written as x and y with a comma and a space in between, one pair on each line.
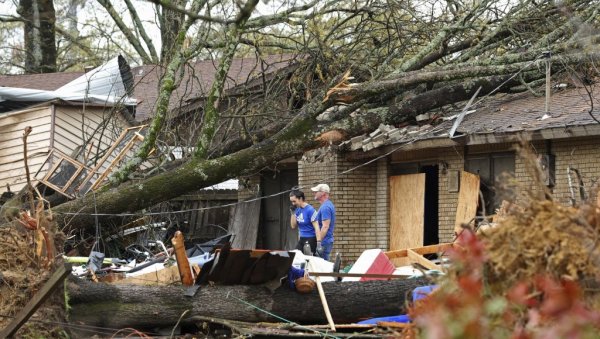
119, 306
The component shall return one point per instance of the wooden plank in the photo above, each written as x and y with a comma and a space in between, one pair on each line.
420, 250
357, 326
415, 257
21, 318
358, 275
468, 196
407, 212
324, 303
244, 224
166, 276
393, 324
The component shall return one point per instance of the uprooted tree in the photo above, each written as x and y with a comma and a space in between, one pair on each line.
405, 57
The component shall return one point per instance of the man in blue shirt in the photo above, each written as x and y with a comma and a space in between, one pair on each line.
302, 213
325, 220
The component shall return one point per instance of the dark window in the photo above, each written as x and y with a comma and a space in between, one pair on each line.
495, 171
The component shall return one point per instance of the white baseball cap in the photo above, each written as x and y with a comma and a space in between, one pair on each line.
321, 188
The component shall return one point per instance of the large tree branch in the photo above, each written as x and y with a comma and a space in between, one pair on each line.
10, 18
211, 108
443, 52
296, 137
281, 17
195, 174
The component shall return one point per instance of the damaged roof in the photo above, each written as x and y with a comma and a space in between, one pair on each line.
497, 118
197, 79
110, 83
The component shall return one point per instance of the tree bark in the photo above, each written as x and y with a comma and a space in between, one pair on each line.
39, 20
118, 306
170, 26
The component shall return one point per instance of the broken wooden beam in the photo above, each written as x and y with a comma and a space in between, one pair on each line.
421, 260
439, 248
324, 303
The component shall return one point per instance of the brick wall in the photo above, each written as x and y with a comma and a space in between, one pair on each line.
524, 174
356, 206
454, 160
382, 202
582, 154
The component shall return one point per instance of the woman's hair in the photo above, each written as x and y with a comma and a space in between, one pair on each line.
297, 193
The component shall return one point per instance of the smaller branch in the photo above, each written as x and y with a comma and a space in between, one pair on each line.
126, 31
76, 42
10, 18
26, 133
264, 20
195, 16
140, 28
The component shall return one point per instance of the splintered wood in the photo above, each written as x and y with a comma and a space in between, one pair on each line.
468, 195
415, 255
407, 212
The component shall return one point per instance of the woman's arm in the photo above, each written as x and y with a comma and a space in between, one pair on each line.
293, 221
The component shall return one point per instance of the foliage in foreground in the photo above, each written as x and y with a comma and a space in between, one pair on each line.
535, 294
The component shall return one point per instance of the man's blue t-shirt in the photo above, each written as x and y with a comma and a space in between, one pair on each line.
303, 217
326, 212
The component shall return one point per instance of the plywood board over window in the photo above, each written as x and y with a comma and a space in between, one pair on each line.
468, 196
407, 212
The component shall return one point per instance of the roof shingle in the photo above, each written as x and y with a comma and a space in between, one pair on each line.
501, 114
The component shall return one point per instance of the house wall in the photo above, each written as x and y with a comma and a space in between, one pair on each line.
583, 155
12, 124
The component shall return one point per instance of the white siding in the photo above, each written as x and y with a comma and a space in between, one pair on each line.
77, 125
12, 124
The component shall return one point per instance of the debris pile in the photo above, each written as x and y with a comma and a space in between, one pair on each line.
22, 274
